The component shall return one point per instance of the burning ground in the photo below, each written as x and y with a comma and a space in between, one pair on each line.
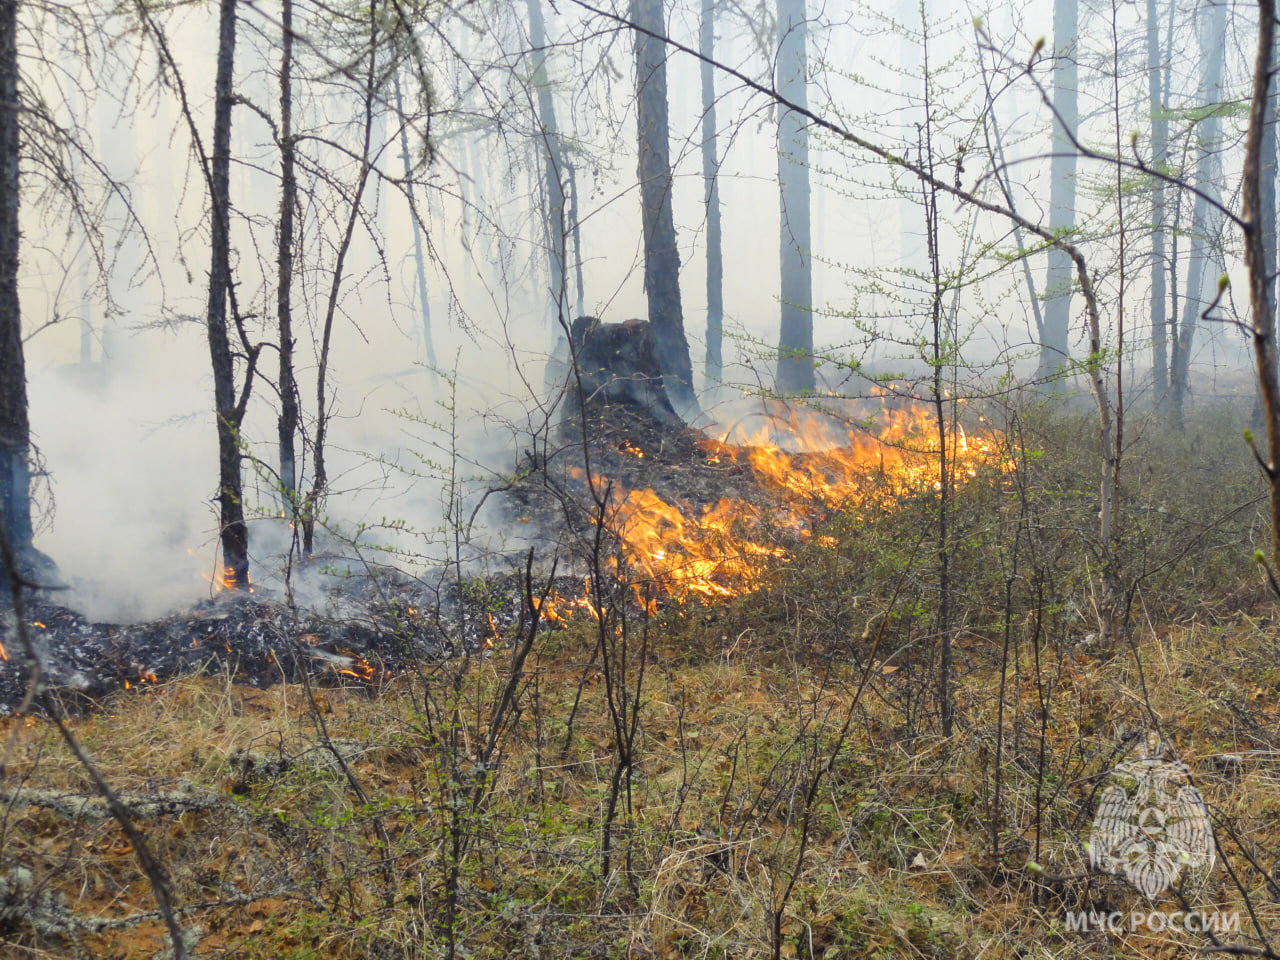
704, 513
687, 514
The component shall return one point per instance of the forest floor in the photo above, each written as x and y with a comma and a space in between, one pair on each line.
760, 777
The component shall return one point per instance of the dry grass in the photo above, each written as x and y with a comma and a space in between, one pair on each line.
898, 861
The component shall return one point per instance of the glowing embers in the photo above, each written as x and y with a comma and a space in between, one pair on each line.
558, 610
145, 680
343, 664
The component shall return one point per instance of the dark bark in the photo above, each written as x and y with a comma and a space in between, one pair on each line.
617, 366
1267, 199
15, 477
1054, 343
1264, 320
234, 531
288, 421
713, 368
1160, 160
661, 256
795, 337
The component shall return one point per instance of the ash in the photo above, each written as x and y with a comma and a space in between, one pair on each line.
374, 628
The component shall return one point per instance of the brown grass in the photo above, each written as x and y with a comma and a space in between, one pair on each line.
899, 857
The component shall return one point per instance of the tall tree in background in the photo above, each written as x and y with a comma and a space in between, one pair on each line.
661, 257
1054, 344
1201, 281
1156, 69
713, 368
419, 260
795, 338
230, 413
15, 430
552, 166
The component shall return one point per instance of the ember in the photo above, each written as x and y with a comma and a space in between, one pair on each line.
559, 610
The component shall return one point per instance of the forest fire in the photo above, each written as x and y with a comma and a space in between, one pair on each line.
559, 610
806, 467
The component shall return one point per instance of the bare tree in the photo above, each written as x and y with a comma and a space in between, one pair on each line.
552, 165
228, 409
1263, 318
661, 256
1055, 335
15, 429
371, 48
1205, 218
713, 367
795, 337
287, 425
1157, 69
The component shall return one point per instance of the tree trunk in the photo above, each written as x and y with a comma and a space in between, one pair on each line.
552, 168
1054, 344
1267, 199
1200, 280
575, 231
713, 367
1160, 161
1263, 316
288, 421
424, 305
795, 338
15, 476
234, 532
661, 256
553, 165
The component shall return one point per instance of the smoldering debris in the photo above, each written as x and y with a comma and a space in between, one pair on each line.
378, 628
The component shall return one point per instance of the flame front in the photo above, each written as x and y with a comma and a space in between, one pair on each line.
722, 550
710, 554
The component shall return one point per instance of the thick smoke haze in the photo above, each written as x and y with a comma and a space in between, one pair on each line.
128, 439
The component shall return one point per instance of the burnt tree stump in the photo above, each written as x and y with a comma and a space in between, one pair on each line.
617, 367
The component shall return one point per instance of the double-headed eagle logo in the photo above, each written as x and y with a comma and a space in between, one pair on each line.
1152, 825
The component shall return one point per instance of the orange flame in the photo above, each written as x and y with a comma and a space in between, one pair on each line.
548, 610
362, 669
830, 463
559, 610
